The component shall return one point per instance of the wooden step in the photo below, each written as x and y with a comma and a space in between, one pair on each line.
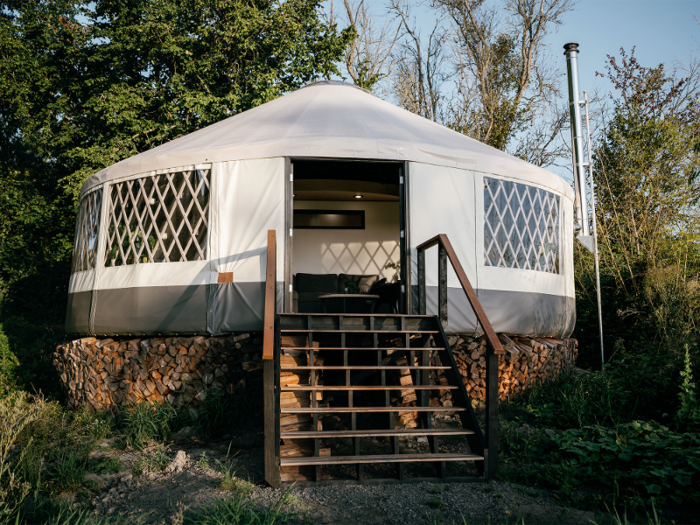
325, 331
333, 410
363, 367
310, 434
384, 458
299, 388
394, 348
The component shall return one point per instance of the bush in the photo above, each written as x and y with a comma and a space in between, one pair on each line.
32, 346
8, 364
645, 461
19, 413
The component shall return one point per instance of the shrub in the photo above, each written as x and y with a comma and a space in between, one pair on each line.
643, 460
33, 345
688, 415
8, 364
18, 413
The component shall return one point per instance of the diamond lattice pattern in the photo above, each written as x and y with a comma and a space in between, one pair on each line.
86, 231
162, 218
521, 226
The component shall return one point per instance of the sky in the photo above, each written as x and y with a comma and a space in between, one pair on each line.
661, 31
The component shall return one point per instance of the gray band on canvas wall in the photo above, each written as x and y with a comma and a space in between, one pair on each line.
237, 307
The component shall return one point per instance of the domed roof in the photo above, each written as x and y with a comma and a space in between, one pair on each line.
331, 120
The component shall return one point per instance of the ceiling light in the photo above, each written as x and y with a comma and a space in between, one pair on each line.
358, 196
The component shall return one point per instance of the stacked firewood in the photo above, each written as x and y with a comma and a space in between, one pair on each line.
103, 372
298, 422
527, 360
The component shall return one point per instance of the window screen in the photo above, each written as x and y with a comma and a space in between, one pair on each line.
329, 219
521, 226
87, 230
163, 218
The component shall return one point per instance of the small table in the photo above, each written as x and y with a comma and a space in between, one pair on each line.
348, 296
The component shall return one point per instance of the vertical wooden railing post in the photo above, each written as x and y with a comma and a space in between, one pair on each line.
272, 469
442, 284
491, 449
421, 283
494, 348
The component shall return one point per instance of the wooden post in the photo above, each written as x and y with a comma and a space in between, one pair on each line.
491, 453
442, 280
272, 469
494, 347
270, 299
421, 282
270, 368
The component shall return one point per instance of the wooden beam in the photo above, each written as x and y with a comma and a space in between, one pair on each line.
270, 300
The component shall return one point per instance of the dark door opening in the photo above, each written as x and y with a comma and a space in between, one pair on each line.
346, 235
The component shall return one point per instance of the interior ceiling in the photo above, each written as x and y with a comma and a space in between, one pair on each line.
324, 180
344, 190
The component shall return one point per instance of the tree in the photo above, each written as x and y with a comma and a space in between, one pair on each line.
368, 56
418, 75
501, 65
648, 218
86, 84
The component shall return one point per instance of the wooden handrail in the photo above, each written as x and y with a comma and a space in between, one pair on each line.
446, 247
445, 251
270, 296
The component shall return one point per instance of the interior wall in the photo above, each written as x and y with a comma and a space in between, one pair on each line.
357, 252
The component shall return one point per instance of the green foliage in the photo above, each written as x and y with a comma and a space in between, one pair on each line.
151, 461
106, 466
17, 414
68, 474
688, 415
434, 503
240, 511
230, 481
144, 422
203, 461
648, 221
643, 460
70, 516
33, 346
8, 364
84, 85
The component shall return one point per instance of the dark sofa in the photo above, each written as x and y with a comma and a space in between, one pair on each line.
309, 287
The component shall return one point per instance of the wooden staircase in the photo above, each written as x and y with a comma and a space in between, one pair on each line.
328, 382
349, 365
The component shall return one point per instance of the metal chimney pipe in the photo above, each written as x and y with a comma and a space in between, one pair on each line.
571, 52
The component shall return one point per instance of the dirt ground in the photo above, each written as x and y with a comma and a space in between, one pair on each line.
192, 478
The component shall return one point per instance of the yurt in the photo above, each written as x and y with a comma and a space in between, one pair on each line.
174, 240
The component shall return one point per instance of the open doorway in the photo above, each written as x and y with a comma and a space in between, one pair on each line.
347, 223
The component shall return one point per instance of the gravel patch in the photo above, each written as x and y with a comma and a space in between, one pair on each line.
431, 503
189, 482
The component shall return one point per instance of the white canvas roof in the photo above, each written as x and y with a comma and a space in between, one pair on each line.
332, 120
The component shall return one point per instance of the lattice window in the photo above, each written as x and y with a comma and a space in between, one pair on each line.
163, 218
87, 229
521, 226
